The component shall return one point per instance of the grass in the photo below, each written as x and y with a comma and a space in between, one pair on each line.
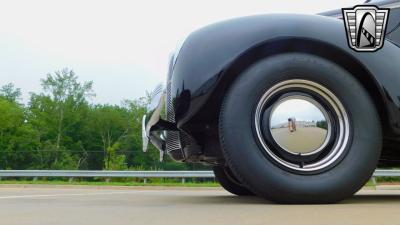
112, 183
369, 184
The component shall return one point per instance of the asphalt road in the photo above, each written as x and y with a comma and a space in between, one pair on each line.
302, 140
162, 206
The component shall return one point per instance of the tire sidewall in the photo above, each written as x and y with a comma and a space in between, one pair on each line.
247, 158
230, 183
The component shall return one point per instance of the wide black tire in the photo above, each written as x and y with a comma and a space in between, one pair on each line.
247, 159
229, 182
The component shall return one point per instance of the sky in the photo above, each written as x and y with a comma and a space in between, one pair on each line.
301, 110
122, 46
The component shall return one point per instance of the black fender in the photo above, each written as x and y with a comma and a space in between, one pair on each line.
213, 56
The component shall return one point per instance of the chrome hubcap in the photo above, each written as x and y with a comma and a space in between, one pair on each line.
302, 125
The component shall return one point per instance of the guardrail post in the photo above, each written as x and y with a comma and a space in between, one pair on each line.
71, 179
183, 180
35, 178
108, 179
145, 180
373, 179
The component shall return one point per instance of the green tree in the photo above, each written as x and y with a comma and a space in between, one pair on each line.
113, 160
110, 123
17, 138
107, 125
58, 114
67, 94
60, 129
10, 92
322, 124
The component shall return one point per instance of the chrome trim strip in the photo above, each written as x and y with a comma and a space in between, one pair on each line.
152, 117
155, 113
145, 138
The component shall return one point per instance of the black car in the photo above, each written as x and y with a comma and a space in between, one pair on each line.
281, 106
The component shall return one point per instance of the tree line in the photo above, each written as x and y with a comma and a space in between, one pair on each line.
58, 128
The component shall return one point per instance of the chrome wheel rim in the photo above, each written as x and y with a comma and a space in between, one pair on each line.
332, 143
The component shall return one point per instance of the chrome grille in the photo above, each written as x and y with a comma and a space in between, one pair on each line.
186, 139
172, 141
169, 105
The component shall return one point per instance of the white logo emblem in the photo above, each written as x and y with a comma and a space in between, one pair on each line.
365, 27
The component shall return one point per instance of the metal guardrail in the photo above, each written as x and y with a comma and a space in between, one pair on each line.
106, 174
137, 174
386, 173
71, 174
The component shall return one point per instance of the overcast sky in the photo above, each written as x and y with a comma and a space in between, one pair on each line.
299, 109
123, 46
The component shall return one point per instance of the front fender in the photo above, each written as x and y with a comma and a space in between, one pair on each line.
208, 53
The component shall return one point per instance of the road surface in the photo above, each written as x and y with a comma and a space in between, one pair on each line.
302, 140
32, 205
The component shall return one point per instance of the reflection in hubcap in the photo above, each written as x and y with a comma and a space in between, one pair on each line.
302, 125
299, 125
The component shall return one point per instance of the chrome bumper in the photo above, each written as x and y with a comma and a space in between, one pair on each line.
150, 131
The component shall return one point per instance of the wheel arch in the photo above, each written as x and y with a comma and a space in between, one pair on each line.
293, 44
